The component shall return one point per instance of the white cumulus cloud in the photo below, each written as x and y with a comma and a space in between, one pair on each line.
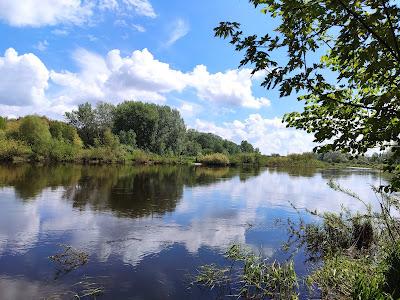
233, 87
140, 76
269, 135
24, 79
115, 78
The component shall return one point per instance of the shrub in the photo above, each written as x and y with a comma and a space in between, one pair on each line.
35, 132
140, 157
10, 149
63, 151
104, 154
215, 159
63, 131
3, 123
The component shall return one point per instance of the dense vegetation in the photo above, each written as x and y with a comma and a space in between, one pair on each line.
140, 133
134, 131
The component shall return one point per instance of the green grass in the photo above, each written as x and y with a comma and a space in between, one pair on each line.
215, 159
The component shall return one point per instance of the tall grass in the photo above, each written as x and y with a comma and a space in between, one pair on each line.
215, 159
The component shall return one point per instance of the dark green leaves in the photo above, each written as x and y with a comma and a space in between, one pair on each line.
342, 57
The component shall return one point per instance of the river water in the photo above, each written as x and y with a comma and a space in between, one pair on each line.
146, 229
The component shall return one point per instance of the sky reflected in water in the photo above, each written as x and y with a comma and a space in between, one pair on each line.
147, 228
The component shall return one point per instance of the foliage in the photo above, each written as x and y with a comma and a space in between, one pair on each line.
63, 151
252, 277
91, 122
254, 158
64, 132
206, 143
351, 92
3, 123
192, 148
340, 277
215, 159
246, 147
10, 149
158, 129
108, 133
128, 138
34, 131
360, 252
293, 160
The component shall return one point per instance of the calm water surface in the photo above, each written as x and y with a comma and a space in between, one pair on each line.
146, 228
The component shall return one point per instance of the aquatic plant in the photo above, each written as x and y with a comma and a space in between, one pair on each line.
70, 258
250, 276
353, 256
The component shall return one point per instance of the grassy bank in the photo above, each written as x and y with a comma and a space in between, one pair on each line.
18, 152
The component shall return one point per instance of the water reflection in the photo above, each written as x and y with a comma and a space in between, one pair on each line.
151, 219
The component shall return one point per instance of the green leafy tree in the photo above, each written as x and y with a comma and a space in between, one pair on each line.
128, 138
34, 131
110, 140
192, 148
341, 58
65, 132
246, 147
90, 122
158, 129
104, 116
141, 118
171, 131
84, 120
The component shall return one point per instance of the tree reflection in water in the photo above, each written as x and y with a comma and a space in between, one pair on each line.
127, 191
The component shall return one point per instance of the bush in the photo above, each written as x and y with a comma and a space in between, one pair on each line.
139, 157
3, 123
35, 132
11, 149
215, 159
65, 132
63, 151
104, 154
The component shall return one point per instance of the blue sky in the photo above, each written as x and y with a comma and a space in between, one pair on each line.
57, 54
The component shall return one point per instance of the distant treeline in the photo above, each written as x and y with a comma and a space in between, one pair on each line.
140, 133
130, 130
326, 159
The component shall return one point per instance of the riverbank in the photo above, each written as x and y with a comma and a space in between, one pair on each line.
104, 156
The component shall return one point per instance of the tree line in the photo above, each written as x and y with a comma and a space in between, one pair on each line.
109, 131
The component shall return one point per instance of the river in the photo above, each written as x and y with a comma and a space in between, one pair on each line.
147, 228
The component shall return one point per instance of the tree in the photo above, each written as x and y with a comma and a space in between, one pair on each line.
246, 147
90, 122
34, 131
342, 59
128, 138
84, 120
141, 118
158, 129
192, 148
64, 132
104, 116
